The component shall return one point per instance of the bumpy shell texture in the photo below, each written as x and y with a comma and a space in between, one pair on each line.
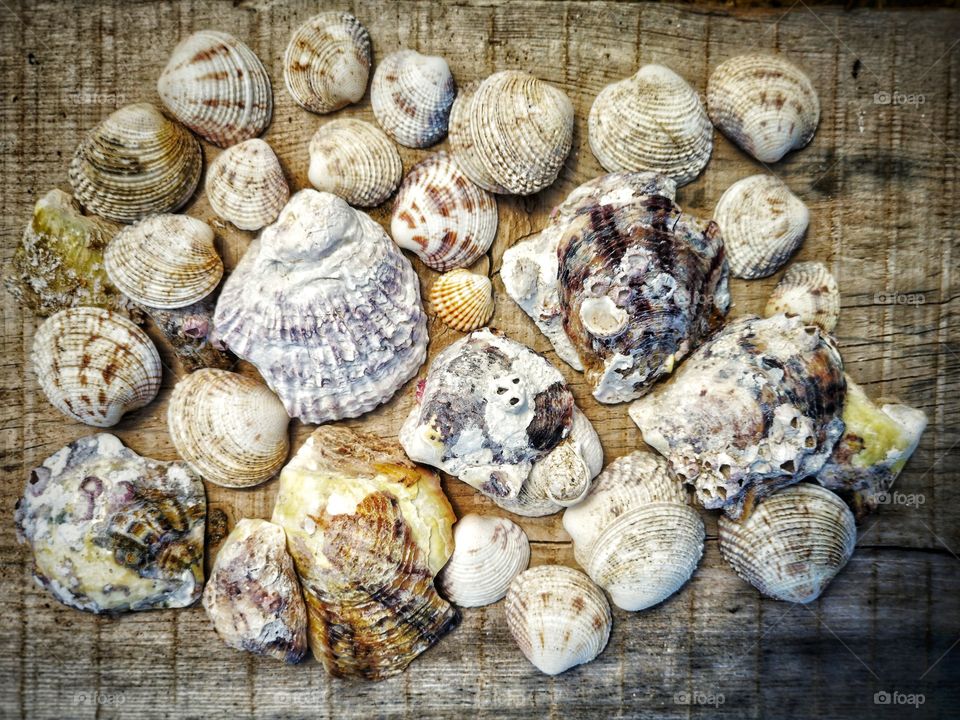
411, 97
95, 365
754, 409
245, 185
253, 596
355, 160
112, 531
462, 300
217, 86
189, 330
368, 530
653, 121
808, 290
327, 308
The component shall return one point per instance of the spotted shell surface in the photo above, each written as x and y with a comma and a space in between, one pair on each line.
462, 300
190, 332
246, 186
808, 290
411, 95
355, 160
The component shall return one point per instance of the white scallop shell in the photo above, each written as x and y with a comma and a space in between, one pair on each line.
462, 300
807, 289
355, 160
411, 95
245, 185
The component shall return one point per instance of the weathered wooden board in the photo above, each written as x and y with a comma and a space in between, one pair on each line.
881, 180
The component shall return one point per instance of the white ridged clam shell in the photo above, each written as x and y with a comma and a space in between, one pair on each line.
411, 95
462, 300
135, 163
217, 86
228, 427
652, 121
489, 552
355, 160
94, 365
245, 185
165, 261
762, 224
809, 290
558, 617
793, 544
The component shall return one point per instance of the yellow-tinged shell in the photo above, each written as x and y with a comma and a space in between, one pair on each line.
165, 261
807, 289
135, 163
355, 160
245, 185
462, 300
94, 365
793, 544
411, 97
228, 427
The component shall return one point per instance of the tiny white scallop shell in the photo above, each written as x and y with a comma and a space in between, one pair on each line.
355, 160
462, 300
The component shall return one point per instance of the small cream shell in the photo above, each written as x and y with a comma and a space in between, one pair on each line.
411, 97
355, 160
809, 290
245, 185
462, 300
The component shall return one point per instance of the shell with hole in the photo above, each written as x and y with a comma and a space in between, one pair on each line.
808, 290
245, 185
355, 160
411, 95
462, 300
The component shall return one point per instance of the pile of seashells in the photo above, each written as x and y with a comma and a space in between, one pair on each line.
363, 561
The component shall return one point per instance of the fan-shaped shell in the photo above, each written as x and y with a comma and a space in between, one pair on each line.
327, 62
808, 290
411, 95
653, 121
355, 160
558, 617
135, 163
442, 216
764, 103
793, 544
763, 224
165, 261
462, 300
94, 365
217, 86
230, 428
489, 552
245, 185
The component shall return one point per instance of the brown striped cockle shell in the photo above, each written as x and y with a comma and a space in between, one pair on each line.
808, 290
793, 543
245, 185
94, 365
462, 300
217, 86
355, 160
411, 97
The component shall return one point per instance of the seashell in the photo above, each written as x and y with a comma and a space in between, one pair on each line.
489, 552
355, 160
112, 531
135, 163
763, 224
653, 121
411, 95
217, 86
634, 533
245, 185
327, 62
558, 617
755, 408
511, 133
95, 365
228, 427
59, 261
190, 332
877, 441
462, 300
793, 544
442, 216
763, 103
253, 596
368, 530
165, 261
808, 290
327, 308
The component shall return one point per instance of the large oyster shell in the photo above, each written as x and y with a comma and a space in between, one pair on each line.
411, 95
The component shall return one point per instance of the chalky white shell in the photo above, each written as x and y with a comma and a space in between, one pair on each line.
462, 300
807, 289
355, 160
246, 186
411, 95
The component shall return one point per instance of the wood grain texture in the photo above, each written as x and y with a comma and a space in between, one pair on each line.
881, 181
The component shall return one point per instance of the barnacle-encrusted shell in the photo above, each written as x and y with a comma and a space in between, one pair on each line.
411, 95
355, 160
95, 365
189, 330
327, 63
793, 544
368, 530
512, 132
245, 185
558, 617
763, 224
135, 163
634, 534
217, 86
808, 290
462, 300
754, 409
230, 428
442, 216
253, 596
652, 121
489, 552
327, 308
764, 103
112, 531
165, 261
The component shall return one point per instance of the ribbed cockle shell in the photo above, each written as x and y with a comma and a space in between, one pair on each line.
245, 185
355, 160
411, 97
462, 300
808, 290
